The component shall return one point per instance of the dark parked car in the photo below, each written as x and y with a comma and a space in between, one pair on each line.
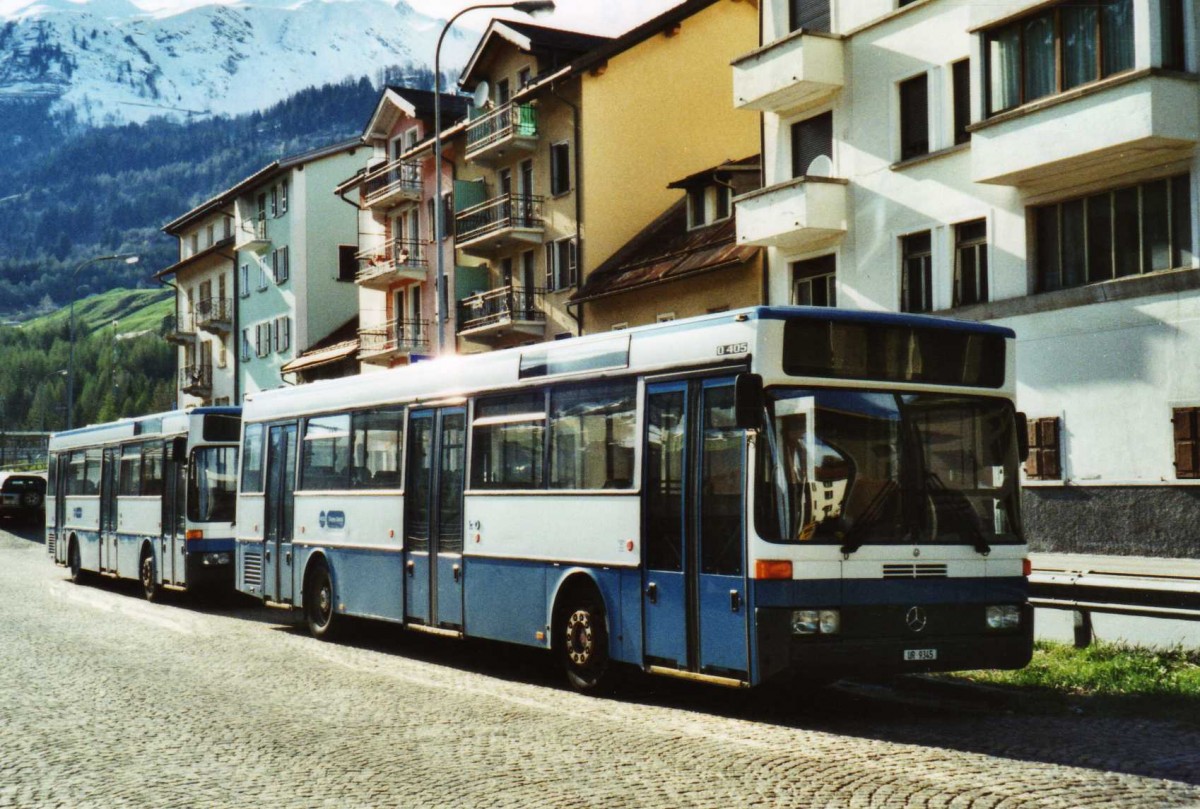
22, 495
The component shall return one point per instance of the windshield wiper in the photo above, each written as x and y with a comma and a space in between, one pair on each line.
852, 541
960, 508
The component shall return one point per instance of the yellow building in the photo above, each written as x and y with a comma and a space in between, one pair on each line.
657, 108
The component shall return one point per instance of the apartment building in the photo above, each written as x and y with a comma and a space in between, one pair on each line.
296, 245
517, 188
203, 324
397, 260
1031, 164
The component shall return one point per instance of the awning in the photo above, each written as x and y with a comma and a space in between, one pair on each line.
324, 356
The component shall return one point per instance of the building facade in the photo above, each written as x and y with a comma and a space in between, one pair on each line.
205, 283
1031, 164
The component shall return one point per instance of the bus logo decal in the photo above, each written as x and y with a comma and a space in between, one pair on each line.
333, 520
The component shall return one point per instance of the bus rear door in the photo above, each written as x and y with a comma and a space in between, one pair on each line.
433, 517
174, 522
279, 509
694, 579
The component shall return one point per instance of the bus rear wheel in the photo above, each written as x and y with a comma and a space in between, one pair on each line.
73, 561
319, 611
149, 576
583, 644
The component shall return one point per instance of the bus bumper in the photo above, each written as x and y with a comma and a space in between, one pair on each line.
877, 642
210, 570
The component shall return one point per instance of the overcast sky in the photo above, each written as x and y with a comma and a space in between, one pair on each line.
608, 17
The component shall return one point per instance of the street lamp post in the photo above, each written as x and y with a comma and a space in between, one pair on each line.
525, 7
128, 258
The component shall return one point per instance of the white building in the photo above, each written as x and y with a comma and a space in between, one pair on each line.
1028, 163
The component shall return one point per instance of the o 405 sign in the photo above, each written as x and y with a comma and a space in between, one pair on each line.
732, 348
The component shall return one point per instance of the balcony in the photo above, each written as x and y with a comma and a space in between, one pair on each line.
397, 261
1122, 125
392, 183
801, 70
215, 315
179, 329
511, 126
798, 213
499, 222
379, 345
502, 311
253, 235
196, 380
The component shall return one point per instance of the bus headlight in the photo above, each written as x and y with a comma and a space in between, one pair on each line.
813, 622
214, 559
1005, 616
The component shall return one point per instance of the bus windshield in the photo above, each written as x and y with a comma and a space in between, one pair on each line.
862, 467
212, 484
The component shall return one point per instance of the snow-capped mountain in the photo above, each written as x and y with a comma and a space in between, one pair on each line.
110, 62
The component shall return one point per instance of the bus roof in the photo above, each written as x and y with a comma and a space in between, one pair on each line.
643, 349
171, 422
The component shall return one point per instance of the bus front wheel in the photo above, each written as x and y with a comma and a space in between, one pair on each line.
319, 611
583, 644
149, 576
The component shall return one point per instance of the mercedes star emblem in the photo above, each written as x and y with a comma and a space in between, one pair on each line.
916, 618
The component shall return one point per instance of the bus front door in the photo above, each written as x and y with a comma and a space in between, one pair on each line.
433, 517
108, 511
277, 521
694, 580
172, 558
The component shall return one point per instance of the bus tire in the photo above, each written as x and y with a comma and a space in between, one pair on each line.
583, 642
319, 611
148, 574
74, 563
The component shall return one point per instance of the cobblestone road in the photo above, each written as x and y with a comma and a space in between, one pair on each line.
107, 701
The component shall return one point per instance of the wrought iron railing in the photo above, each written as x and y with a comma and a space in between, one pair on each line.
395, 335
179, 327
398, 254
196, 377
390, 178
505, 304
498, 213
507, 121
214, 310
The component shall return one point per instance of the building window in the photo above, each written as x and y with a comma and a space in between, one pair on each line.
348, 262
283, 334
809, 15
916, 276
262, 339
1057, 49
1128, 231
195, 243
245, 345
560, 168
210, 235
914, 117
283, 197
812, 138
1043, 460
228, 229
1187, 441
274, 201
244, 288
280, 265
524, 76
695, 205
970, 263
503, 94
262, 276
561, 264
814, 281
1172, 15
960, 73
222, 354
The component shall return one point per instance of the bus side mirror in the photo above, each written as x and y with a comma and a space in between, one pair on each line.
1023, 437
178, 451
748, 401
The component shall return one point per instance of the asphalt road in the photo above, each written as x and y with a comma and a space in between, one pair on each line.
108, 701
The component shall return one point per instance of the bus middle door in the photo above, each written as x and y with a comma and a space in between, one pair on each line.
694, 582
172, 558
108, 511
279, 509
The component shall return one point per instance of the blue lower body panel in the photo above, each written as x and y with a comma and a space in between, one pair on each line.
369, 584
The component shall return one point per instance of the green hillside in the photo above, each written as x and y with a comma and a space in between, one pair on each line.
120, 371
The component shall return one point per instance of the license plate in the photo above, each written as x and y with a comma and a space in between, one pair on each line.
920, 654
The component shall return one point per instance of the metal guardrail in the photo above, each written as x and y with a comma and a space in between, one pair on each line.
395, 335
392, 178
1141, 594
498, 213
507, 121
501, 305
196, 378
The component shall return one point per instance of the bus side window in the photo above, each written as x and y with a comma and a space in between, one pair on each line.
377, 442
152, 469
252, 459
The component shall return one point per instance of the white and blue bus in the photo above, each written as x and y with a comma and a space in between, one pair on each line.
149, 498
735, 499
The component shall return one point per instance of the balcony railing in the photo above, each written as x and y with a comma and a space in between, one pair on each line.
215, 314
393, 337
508, 123
397, 179
501, 306
497, 214
399, 258
179, 329
196, 379
254, 234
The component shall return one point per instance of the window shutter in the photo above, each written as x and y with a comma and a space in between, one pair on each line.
550, 265
1043, 462
811, 15
572, 262
1187, 465
811, 139
275, 266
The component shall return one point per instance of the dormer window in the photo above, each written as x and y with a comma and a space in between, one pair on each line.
708, 204
524, 76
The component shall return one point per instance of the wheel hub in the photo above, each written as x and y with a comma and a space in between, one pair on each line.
579, 637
